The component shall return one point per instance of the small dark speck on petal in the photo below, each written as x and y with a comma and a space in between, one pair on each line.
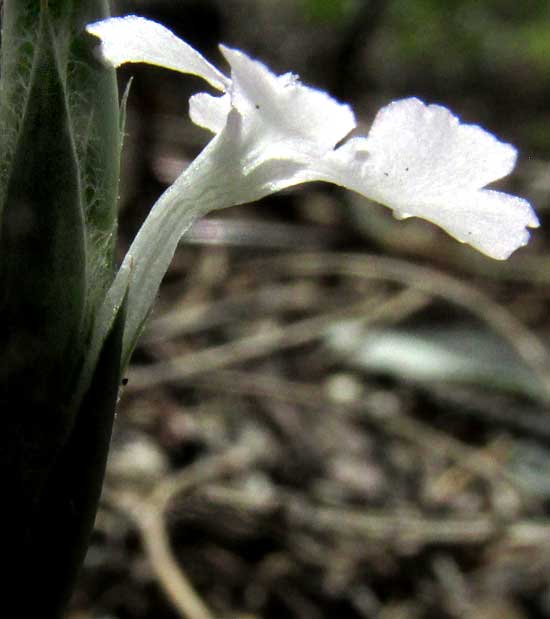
257, 106
386, 174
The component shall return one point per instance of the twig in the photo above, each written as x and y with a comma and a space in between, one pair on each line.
471, 460
199, 316
394, 526
527, 344
148, 514
411, 527
245, 349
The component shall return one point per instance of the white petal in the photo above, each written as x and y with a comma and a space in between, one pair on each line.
493, 222
410, 139
286, 108
209, 112
136, 39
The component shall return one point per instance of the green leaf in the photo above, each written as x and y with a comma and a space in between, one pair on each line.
93, 105
58, 192
92, 102
20, 32
104, 319
42, 239
47, 535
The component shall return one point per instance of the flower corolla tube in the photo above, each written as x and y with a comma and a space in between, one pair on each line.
272, 132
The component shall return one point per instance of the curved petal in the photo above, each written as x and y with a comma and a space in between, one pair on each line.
493, 222
286, 108
209, 112
136, 39
410, 139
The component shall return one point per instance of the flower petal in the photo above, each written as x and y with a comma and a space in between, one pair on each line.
136, 39
493, 222
209, 112
286, 108
409, 139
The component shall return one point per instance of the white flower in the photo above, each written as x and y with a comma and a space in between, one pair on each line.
273, 132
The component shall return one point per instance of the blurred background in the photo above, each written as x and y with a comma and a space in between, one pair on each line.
333, 413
